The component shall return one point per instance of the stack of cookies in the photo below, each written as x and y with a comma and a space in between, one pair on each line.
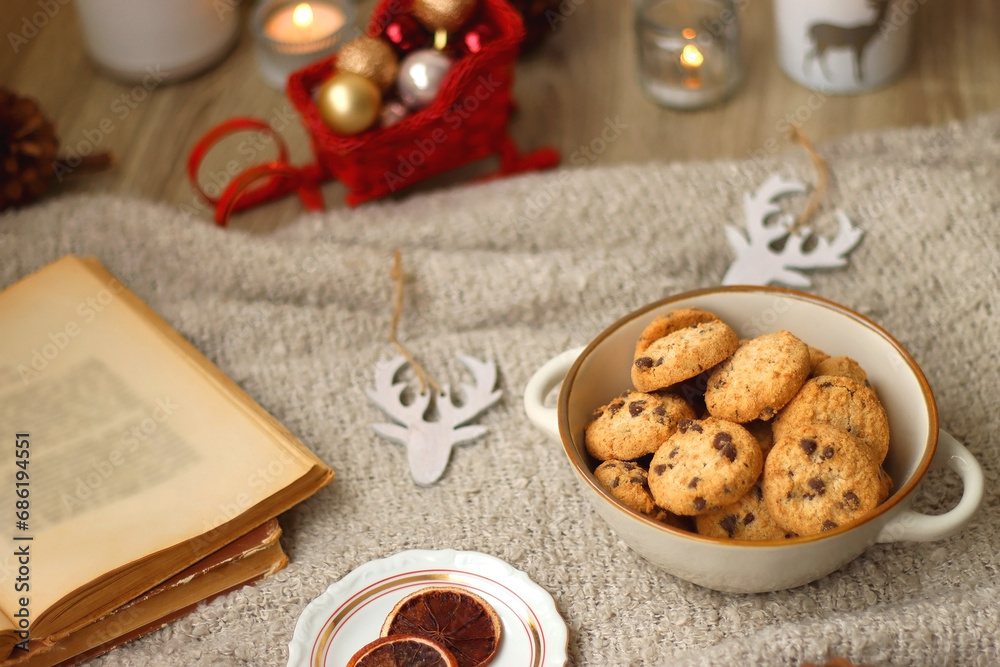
758, 439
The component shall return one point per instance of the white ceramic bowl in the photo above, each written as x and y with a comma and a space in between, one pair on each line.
593, 375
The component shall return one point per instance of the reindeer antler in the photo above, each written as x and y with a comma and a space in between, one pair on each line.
757, 263
429, 443
760, 205
475, 398
826, 254
388, 393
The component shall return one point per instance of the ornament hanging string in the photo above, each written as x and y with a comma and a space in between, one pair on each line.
428, 438
400, 280
822, 177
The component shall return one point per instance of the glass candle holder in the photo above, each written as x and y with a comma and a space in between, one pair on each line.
689, 51
290, 34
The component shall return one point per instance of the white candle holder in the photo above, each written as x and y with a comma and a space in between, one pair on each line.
284, 47
843, 46
153, 41
689, 51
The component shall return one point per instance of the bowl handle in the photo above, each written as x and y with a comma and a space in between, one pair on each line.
916, 527
541, 384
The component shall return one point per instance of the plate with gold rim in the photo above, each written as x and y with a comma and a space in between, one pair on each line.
350, 613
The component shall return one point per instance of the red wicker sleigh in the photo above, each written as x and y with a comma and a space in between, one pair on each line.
466, 122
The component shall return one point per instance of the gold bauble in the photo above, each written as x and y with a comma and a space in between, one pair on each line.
349, 103
371, 58
447, 15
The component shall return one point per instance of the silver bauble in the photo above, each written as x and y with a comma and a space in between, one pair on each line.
420, 77
392, 112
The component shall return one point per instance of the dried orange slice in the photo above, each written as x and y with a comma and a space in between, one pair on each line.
461, 621
403, 651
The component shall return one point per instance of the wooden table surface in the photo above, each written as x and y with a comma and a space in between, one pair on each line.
583, 76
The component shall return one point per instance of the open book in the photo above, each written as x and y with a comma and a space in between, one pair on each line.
129, 458
250, 558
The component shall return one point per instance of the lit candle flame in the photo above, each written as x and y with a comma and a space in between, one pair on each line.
303, 15
691, 56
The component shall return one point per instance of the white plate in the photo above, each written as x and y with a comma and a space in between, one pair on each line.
351, 611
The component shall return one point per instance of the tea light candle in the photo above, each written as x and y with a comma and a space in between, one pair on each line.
303, 23
689, 51
292, 34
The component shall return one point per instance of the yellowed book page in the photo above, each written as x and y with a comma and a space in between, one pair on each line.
9, 635
161, 604
133, 447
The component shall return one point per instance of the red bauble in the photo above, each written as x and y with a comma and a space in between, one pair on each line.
406, 34
541, 18
475, 38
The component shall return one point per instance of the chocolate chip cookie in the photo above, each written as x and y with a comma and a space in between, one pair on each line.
759, 378
626, 481
705, 465
746, 519
669, 322
681, 353
842, 366
819, 477
841, 402
816, 356
763, 433
634, 424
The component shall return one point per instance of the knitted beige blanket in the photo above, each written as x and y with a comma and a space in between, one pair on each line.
516, 271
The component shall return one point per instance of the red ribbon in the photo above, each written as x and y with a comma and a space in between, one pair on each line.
260, 183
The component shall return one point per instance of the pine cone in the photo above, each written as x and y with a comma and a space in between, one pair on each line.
28, 146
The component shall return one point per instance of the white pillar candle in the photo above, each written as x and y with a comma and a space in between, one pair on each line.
161, 40
843, 46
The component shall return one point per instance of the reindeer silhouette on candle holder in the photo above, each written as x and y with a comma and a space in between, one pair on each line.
826, 36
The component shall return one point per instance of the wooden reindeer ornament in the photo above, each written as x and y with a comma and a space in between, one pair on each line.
429, 443
759, 263
771, 249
